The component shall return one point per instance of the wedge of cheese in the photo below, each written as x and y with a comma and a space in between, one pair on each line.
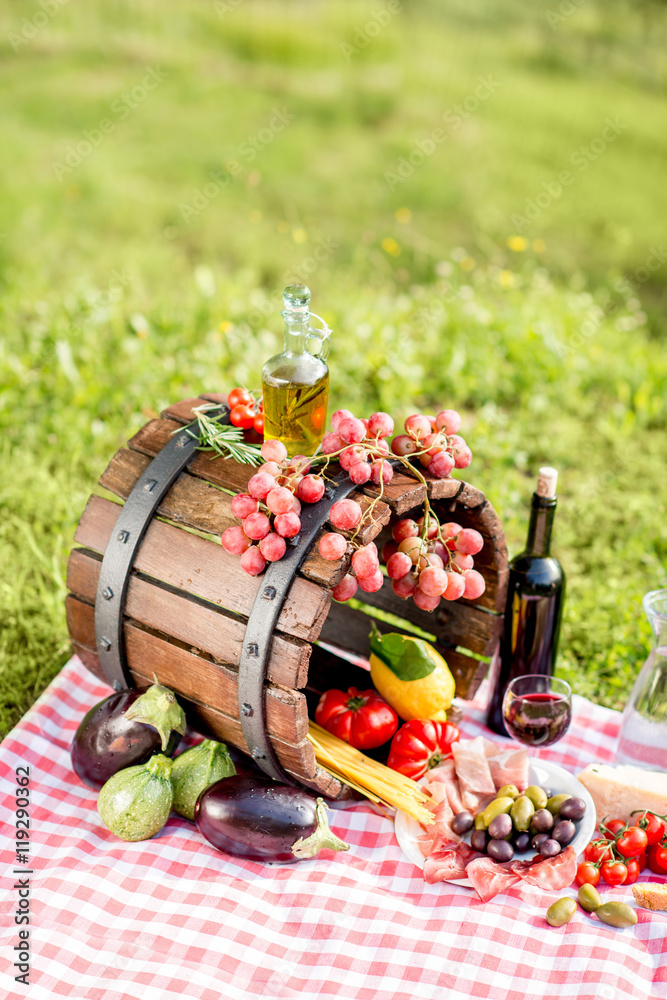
618, 791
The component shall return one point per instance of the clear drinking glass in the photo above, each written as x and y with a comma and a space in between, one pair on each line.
643, 736
537, 709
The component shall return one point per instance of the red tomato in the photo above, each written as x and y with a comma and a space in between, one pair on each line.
420, 745
588, 874
258, 423
611, 827
652, 824
643, 861
634, 870
243, 416
614, 872
239, 397
361, 718
599, 850
632, 842
657, 858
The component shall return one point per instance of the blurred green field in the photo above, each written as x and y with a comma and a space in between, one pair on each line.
475, 196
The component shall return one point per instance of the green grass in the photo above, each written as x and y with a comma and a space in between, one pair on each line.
112, 293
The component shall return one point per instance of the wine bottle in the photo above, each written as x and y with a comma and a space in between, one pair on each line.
535, 594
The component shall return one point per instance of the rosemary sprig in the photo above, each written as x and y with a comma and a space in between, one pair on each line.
223, 439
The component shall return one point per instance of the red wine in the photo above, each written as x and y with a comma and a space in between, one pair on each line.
538, 719
535, 594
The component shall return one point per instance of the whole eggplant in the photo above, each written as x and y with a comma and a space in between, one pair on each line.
107, 741
258, 818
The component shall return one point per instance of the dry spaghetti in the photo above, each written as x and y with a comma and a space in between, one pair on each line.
378, 783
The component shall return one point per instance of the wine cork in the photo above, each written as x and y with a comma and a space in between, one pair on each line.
546, 482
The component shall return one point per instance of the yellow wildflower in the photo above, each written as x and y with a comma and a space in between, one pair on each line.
299, 235
517, 243
403, 215
506, 279
390, 246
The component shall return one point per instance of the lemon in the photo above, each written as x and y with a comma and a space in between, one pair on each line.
412, 676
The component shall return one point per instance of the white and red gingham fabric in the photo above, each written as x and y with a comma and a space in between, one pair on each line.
172, 917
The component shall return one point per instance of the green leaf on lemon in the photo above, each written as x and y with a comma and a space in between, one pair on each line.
407, 658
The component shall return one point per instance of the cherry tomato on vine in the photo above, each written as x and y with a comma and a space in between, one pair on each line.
243, 416
258, 423
652, 825
588, 874
239, 397
609, 828
599, 850
634, 870
361, 718
614, 872
657, 858
632, 842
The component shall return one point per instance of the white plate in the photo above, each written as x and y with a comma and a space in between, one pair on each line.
541, 772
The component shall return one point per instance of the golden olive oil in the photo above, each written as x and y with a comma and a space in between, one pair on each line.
295, 414
295, 383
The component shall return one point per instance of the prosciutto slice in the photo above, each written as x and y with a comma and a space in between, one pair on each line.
443, 777
510, 767
449, 863
550, 873
489, 877
473, 772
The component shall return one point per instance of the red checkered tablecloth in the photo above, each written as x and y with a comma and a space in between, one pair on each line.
172, 917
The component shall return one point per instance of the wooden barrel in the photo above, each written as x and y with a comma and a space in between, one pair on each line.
188, 602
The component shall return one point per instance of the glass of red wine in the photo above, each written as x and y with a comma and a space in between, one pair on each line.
537, 709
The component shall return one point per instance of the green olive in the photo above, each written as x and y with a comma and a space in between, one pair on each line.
556, 801
521, 812
537, 796
617, 914
562, 911
589, 898
495, 808
507, 790
479, 822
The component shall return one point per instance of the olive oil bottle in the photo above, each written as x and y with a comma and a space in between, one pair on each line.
295, 383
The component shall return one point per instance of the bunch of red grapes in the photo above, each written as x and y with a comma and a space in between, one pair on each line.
427, 562
270, 510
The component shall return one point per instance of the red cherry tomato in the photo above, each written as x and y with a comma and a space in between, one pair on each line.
634, 870
643, 861
588, 874
652, 825
258, 423
420, 745
239, 397
614, 872
657, 858
599, 850
609, 828
361, 718
243, 416
632, 842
